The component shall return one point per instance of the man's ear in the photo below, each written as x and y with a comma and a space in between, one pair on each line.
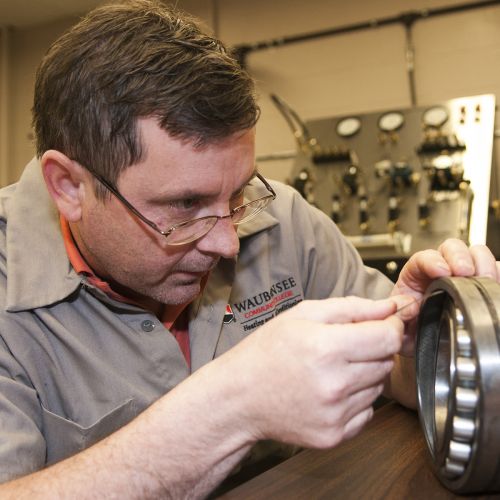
65, 180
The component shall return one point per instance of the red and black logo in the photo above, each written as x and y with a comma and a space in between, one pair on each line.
228, 315
254, 311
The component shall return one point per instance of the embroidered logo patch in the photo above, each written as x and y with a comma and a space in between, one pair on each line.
228, 315
256, 310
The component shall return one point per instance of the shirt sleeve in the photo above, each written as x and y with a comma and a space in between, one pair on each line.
22, 445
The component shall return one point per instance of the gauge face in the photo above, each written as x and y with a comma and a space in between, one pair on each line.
349, 126
435, 117
391, 121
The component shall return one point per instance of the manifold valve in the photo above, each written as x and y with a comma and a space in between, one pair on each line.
458, 382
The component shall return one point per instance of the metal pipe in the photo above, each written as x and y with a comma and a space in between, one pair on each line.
216, 18
410, 64
282, 155
398, 240
407, 18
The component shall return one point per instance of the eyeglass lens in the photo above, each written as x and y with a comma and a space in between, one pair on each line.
192, 230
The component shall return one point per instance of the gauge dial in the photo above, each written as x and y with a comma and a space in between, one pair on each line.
391, 121
348, 126
435, 117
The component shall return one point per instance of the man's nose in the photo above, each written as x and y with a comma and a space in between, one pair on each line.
222, 240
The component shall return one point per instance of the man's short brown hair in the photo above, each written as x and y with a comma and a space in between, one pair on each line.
130, 60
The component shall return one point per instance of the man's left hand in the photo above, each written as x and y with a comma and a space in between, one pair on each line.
452, 258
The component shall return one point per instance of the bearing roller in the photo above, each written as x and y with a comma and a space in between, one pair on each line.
458, 381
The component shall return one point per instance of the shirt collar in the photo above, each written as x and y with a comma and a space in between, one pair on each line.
39, 272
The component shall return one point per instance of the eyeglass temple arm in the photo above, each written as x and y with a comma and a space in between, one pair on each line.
268, 186
125, 202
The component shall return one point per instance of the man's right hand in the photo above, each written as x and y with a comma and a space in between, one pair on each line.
310, 375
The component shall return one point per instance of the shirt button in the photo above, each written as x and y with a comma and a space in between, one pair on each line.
147, 325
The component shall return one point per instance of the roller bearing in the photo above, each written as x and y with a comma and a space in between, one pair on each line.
458, 382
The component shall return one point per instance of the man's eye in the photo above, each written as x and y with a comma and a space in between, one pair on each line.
187, 204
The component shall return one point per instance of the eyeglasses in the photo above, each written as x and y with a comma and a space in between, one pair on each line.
194, 229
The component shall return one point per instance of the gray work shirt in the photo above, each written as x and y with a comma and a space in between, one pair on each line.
76, 365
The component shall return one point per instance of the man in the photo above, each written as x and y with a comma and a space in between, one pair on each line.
161, 309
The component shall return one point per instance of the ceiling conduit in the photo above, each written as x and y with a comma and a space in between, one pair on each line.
407, 19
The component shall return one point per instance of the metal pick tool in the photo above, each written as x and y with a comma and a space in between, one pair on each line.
419, 301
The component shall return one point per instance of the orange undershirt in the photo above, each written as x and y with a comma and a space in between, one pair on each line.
174, 318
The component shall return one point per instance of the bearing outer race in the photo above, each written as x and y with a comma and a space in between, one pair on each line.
491, 410
469, 296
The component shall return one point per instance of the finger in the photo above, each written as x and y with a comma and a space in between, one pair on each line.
356, 423
362, 375
458, 257
408, 346
484, 262
360, 402
343, 310
367, 341
417, 274
345, 419
408, 307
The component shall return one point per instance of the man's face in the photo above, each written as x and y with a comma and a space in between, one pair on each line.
174, 182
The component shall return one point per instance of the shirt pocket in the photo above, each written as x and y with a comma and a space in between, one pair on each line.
64, 437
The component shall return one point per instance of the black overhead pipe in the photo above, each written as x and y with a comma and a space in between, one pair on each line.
406, 18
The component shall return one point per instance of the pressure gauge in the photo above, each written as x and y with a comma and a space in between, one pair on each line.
391, 121
349, 126
435, 117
